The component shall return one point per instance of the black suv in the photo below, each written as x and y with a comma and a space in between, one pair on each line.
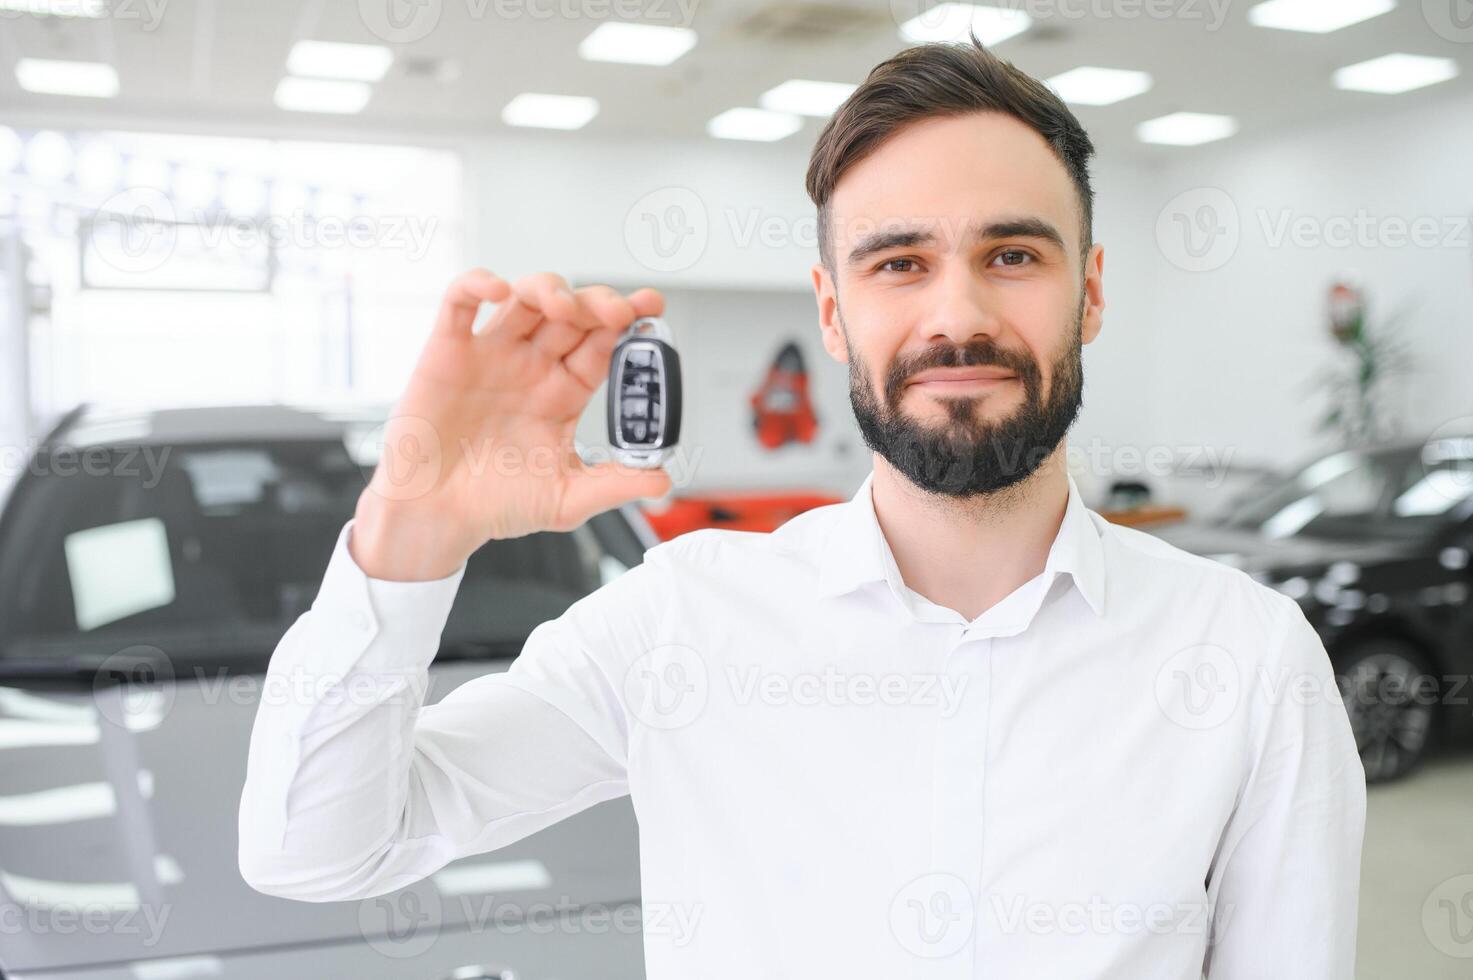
1375, 546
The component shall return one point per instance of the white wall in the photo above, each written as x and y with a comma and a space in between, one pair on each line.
1206, 362
1237, 344
742, 283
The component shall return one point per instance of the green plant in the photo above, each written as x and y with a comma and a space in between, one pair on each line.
1367, 359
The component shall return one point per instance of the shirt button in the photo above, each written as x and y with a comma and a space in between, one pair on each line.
360, 622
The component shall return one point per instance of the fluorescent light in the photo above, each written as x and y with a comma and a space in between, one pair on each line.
762, 125
49, 157
321, 95
331, 59
1316, 16
550, 111
1186, 129
12, 150
57, 8
806, 97
950, 22
1099, 86
636, 44
93, 79
1395, 73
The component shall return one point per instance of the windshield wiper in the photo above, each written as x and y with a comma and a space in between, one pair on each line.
91, 669
479, 650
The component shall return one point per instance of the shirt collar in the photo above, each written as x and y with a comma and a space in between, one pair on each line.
856, 551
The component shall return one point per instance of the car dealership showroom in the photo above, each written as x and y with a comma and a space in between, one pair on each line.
373, 605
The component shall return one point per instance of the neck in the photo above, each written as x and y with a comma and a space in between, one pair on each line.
968, 554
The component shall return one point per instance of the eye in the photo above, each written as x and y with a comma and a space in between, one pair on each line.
1017, 254
889, 262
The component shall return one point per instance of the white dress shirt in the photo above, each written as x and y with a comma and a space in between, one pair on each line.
1135, 766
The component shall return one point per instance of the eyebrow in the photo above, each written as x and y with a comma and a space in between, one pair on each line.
902, 237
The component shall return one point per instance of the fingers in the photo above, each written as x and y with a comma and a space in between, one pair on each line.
463, 298
606, 486
543, 307
535, 297
606, 312
646, 302
588, 359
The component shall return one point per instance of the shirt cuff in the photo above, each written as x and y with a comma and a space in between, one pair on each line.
406, 616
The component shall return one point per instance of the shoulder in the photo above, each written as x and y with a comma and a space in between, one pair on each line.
1164, 580
759, 570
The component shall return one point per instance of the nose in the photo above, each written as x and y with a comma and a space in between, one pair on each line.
959, 308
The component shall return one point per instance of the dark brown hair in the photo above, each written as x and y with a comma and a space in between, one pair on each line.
944, 79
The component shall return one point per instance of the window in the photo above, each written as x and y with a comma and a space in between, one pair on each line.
214, 551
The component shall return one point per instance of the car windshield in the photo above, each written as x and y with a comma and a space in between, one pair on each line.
1394, 493
208, 553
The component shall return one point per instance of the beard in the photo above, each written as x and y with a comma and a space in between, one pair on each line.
967, 455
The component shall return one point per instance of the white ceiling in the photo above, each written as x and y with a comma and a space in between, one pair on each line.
218, 61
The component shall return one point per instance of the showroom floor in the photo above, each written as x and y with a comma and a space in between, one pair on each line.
1416, 840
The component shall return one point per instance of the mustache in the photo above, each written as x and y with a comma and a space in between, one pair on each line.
980, 353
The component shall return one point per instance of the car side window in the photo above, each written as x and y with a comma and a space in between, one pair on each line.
206, 549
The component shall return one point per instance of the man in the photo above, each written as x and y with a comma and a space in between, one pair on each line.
958, 726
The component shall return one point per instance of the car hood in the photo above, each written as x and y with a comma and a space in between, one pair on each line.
119, 842
1256, 553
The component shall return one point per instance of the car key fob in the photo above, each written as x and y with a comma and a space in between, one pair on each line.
644, 394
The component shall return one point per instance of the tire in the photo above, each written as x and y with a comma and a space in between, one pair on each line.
1391, 696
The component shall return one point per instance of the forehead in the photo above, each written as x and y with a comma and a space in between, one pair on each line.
957, 171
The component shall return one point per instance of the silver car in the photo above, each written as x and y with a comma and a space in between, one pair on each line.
149, 563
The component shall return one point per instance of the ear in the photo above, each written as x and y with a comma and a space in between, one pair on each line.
1094, 294
828, 320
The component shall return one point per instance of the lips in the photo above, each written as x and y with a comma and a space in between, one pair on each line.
962, 374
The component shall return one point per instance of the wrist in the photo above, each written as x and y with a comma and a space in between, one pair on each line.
396, 543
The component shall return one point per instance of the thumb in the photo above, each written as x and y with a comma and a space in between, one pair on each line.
605, 486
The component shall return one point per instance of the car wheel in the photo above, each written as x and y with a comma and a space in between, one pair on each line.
1391, 696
